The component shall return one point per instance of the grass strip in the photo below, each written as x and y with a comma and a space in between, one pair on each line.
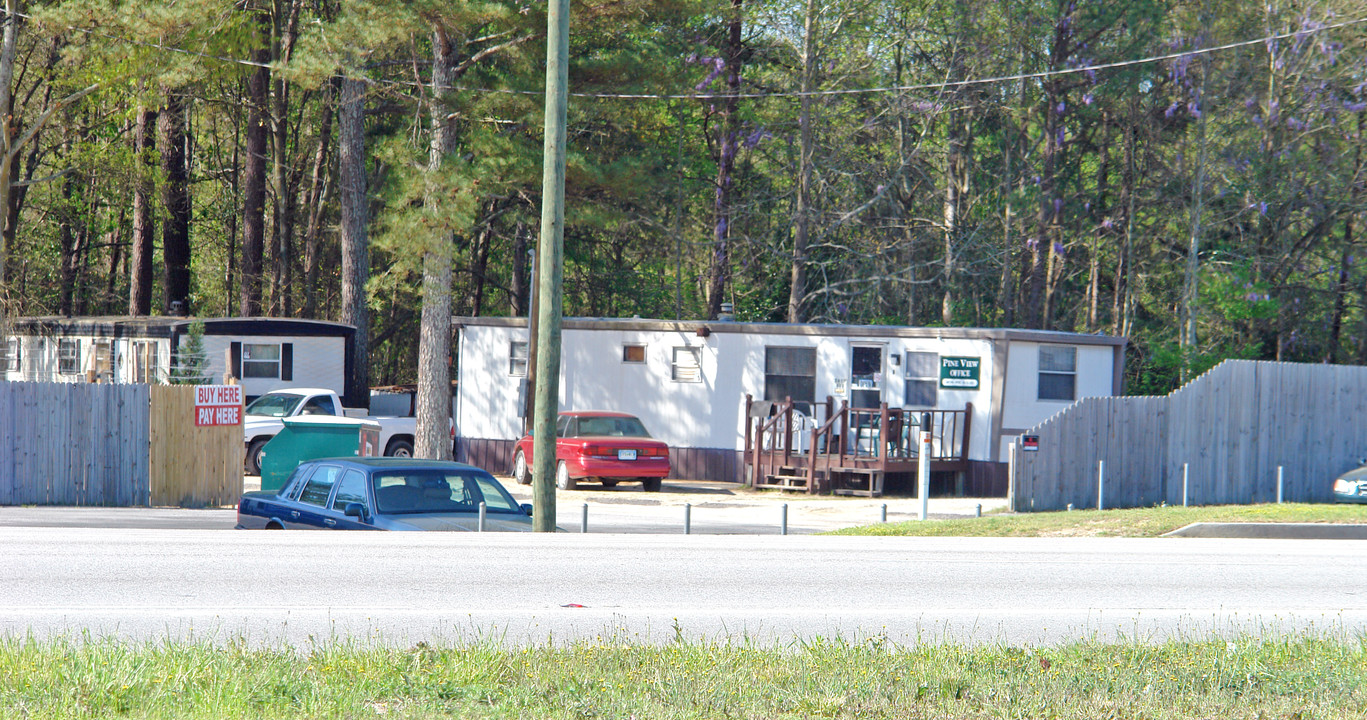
1129, 522
1289, 677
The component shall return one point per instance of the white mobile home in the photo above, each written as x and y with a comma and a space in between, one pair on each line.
264, 353
689, 381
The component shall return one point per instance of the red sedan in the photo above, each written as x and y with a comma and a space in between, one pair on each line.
607, 446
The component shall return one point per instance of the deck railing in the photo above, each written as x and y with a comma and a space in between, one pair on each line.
883, 439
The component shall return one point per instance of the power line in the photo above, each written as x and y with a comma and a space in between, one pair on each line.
765, 95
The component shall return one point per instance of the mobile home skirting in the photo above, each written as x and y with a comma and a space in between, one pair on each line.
983, 479
716, 464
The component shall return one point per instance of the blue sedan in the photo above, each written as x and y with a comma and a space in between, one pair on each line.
384, 494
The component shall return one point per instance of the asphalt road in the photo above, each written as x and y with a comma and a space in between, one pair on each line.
398, 588
711, 507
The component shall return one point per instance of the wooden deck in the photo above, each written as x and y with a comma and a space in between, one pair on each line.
844, 450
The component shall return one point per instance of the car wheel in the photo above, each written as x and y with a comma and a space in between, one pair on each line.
609, 483
562, 477
650, 484
254, 456
521, 473
399, 448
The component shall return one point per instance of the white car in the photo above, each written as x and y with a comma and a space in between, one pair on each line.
264, 419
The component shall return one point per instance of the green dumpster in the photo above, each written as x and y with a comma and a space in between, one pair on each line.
309, 438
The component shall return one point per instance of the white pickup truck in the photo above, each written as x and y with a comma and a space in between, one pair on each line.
264, 418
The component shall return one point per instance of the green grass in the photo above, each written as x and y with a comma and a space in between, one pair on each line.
1298, 677
1135, 522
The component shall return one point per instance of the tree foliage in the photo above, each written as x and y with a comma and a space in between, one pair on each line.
1033, 163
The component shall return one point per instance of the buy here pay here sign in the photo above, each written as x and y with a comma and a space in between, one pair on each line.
218, 405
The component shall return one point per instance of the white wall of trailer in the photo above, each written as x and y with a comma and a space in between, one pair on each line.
318, 361
40, 359
709, 412
1022, 408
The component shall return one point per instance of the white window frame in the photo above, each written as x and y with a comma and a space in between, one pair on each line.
933, 378
1053, 371
68, 356
685, 371
517, 364
11, 356
278, 361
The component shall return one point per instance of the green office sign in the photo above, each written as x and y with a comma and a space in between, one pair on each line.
960, 373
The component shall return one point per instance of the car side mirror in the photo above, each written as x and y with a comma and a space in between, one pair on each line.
356, 510
527, 508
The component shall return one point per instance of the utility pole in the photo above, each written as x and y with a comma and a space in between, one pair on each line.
548, 277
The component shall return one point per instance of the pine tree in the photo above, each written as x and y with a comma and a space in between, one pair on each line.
191, 365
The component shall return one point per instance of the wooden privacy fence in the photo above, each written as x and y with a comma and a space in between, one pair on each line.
191, 466
112, 445
1231, 428
73, 444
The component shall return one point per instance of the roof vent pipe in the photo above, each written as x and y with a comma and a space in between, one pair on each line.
726, 310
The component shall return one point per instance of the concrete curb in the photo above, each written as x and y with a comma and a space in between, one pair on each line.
1287, 531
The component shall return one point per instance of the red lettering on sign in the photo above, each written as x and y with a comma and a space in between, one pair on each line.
218, 405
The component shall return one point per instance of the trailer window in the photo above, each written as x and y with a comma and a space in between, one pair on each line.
260, 360
68, 356
687, 365
922, 379
790, 372
1057, 372
9, 355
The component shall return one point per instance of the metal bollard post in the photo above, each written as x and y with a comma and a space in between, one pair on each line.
1100, 484
883, 517
978, 511
584, 518
482, 509
688, 518
1184, 484
1279, 484
783, 523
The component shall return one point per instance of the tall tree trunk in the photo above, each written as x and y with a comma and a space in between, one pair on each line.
1044, 248
8, 131
797, 287
1100, 233
519, 304
956, 190
1120, 303
1187, 312
434, 340
282, 47
354, 221
254, 181
479, 269
83, 293
722, 211
319, 180
71, 247
175, 228
144, 239
115, 243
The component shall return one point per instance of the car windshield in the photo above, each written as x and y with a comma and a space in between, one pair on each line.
274, 405
438, 490
611, 427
